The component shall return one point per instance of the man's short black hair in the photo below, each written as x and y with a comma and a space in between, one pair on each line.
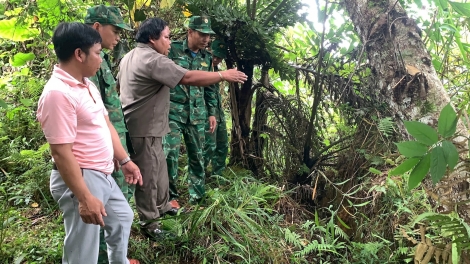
151, 28
69, 36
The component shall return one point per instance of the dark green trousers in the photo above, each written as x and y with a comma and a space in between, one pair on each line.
216, 148
194, 139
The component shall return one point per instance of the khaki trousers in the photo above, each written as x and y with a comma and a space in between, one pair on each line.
151, 199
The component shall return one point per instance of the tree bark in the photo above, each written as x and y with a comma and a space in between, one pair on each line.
260, 127
396, 52
241, 98
403, 72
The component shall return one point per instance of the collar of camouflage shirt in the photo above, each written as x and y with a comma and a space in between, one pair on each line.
186, 48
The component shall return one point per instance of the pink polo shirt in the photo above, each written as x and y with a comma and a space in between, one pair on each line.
72, 112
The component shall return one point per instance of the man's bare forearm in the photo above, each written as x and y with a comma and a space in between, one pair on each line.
70, 170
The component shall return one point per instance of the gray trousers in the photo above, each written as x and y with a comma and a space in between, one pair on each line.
151, 199
81, 242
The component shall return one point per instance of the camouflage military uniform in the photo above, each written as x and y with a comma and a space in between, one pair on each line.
216, 144
190, 107
106, 84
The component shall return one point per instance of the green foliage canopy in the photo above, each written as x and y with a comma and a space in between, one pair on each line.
250, 29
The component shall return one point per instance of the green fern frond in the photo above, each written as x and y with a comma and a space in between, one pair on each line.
385, 126
292, 238
450, 225
318, 247
340, 232
307, 224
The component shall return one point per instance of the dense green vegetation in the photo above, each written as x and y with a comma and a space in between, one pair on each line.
315, 175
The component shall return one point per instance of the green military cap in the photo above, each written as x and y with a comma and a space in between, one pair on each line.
219, 49
201, 24
106, 15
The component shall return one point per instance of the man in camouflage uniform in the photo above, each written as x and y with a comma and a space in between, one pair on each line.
216, 145
108, 21
189, 108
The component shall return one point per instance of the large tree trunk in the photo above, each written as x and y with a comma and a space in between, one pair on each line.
398, 57
241, 98
404, 74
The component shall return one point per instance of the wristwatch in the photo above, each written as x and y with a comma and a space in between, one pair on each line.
124, 161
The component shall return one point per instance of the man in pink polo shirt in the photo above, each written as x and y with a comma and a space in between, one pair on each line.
84, 144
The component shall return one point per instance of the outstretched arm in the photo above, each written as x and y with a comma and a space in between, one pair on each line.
203, 78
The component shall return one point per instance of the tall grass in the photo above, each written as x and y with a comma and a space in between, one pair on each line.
238, 224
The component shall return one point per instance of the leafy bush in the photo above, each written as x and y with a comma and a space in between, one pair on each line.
433, 152
24, 153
